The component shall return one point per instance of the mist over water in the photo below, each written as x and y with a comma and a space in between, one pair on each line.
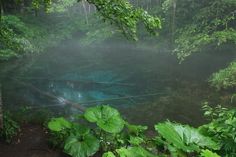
145, 84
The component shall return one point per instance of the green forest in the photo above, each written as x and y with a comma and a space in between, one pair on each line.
118, 78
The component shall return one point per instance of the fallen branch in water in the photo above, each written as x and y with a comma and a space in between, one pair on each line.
109, 99
122, 98
49, 95
75, 81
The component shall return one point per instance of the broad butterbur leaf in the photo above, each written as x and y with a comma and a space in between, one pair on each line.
106, 117
81, 146
108, 154
80, 129
191, 135
184, 137
58, 124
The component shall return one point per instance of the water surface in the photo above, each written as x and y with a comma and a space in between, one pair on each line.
146, 85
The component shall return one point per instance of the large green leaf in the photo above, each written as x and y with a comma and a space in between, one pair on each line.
167, 131
134, 152
108, 154
191, 135
80, 129
184, 137
81, 146
106, 118
58, 124
208, 153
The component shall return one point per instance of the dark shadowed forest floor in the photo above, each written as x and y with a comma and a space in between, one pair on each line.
31, 143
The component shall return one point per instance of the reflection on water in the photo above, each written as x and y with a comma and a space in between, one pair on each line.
144, 85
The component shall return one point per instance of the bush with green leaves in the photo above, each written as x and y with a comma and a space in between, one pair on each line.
127, 17
22, 35
10, 128
106, 131
14, 37
225, 78
59, 131
24, 115
222, 128
202, 24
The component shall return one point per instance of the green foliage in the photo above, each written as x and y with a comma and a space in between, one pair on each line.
192, 40
76, 140
225, 78
106, 118
134, 152
189, 41
203, 23
50, 6
24, 115
208, 153
45, 4
59, 124
136, 140
119, 12
129, 140
136, 129
61, 6
10, 128
184, 138
108, 154
126, 17
59, 131
14, 38
24, 35
81, 144
98, 35
27, 34
221, 128
109, 135
136, 134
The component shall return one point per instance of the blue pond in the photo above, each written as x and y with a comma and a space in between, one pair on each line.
146, 85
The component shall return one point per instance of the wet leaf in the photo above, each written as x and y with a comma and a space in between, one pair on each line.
58, 124
106, 118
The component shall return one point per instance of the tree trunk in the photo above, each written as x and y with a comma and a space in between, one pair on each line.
89, 9
173, 22
85, 11
22, 6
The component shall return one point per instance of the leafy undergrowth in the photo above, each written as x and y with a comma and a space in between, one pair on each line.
103, 129
10, 128
225, 78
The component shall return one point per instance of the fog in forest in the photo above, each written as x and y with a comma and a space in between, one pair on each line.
117, 78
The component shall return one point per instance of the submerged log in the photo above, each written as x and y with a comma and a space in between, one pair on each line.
122, 98
1, 108
75, 81
49, 95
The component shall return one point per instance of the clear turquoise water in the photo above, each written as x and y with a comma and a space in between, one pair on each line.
159, 87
